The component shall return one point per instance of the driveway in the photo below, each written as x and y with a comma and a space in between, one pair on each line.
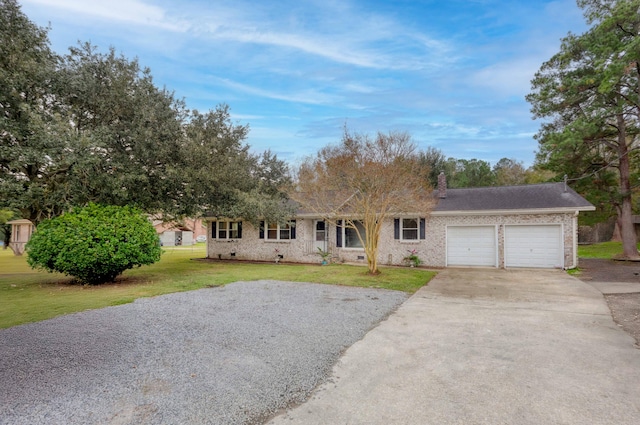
485, 346
228, 355
619, 282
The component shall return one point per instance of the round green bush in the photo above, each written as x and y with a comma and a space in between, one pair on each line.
94, 244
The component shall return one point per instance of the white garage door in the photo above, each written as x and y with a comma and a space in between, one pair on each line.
471, 246
533, 246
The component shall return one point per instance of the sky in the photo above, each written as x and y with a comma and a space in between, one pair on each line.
452, 73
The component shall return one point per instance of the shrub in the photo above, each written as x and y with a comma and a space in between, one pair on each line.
94, 244
412, 259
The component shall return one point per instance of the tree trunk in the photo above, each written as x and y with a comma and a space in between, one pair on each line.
372, 246
372, 235
625, 219
617, 234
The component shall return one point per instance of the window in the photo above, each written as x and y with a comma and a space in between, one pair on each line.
226, 230
409, 229
349, 235
272, 231
321, 234
278, 232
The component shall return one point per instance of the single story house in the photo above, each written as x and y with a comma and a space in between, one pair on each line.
507, 226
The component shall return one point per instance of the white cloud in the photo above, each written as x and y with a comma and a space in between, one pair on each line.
129, 11
508, 61
327, 48
339, 32
336, 31
360, 88
246, 117
509, 78
309, 96
451, 75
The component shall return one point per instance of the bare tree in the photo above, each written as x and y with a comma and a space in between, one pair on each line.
361, 182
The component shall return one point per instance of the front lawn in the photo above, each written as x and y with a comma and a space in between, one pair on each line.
29, 296
606, 250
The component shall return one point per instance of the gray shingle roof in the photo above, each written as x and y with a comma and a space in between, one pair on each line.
526, 197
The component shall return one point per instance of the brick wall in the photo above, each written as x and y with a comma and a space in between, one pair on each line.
432, 250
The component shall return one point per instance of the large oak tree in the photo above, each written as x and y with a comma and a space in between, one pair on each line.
94, 127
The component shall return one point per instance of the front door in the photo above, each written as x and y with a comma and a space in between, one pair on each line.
320, 235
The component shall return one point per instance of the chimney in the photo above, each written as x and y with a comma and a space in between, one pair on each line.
442, 185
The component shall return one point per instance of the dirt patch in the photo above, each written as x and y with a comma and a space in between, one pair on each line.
609, 270
625, 308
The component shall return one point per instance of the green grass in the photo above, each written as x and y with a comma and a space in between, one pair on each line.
574, 272
605, 250
29, 296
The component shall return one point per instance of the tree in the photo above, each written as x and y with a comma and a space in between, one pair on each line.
362, 182
27, 68
112, 138
5, 229
434, 162
509, 171
94, 127
590, 92
538, 174
94, 244
225, 177
470, 173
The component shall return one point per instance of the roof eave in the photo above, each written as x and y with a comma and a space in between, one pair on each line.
563, 210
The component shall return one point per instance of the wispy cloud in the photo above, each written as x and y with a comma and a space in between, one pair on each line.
246, 117
452, 73
130, 11
343, 33
509, 78
330, 49
310, 96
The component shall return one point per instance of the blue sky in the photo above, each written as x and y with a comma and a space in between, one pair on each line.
451, 73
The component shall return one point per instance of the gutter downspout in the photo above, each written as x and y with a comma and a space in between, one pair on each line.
575, 239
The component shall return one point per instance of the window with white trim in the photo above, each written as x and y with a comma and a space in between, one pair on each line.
409, 229
278, 232
226, 230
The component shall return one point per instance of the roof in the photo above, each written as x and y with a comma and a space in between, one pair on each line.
20, 221
546, 196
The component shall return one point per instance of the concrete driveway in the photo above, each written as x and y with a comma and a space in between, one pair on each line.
484, 346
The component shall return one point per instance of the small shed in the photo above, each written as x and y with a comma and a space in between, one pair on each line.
176, 237
175, 233
21, 231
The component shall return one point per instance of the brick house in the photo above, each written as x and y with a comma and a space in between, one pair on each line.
506, 226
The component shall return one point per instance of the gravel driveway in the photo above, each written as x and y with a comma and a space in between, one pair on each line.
228, 355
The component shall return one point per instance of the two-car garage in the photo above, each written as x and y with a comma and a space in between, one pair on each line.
532, 225
522, 246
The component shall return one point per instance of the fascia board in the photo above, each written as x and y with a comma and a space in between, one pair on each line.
513, 212
356, 216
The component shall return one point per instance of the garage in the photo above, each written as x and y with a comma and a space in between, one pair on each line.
471, 246
533, 246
